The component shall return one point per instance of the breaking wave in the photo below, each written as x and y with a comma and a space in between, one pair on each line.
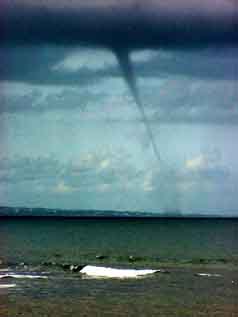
107, 272
22, 276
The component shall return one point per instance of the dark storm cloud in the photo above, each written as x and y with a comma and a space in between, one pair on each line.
205, 64
34, 65
129, 25
191, 100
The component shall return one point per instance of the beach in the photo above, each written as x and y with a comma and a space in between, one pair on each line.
196, 278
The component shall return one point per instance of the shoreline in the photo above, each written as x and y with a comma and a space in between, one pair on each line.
182, 292
71, 266
118, 217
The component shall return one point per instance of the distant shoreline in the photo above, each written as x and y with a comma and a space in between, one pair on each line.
61, 217
55, 213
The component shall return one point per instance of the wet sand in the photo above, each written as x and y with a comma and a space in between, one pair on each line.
181, 292
182, 247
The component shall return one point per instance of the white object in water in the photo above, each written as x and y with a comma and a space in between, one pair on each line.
107, 272
7, 285
208, 275
10, 275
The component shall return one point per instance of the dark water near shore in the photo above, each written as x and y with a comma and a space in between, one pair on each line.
184, 246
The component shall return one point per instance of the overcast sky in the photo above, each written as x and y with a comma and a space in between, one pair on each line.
72, 136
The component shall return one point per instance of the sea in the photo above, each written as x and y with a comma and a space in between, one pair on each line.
41, 259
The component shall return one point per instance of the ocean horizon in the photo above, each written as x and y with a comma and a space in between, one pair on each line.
6, 211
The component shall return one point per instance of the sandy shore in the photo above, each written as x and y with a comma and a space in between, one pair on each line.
194, 291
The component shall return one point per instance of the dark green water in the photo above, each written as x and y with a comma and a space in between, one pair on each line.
185, 247
173, 240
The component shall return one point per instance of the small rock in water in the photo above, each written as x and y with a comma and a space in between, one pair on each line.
45, 263
72, 268
50, 263
57, 255
24, 265
132, 258
65, 266
76, 268
100, 257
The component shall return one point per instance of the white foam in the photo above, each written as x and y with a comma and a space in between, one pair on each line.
107, 272
208, 275
7, 285
12, 275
